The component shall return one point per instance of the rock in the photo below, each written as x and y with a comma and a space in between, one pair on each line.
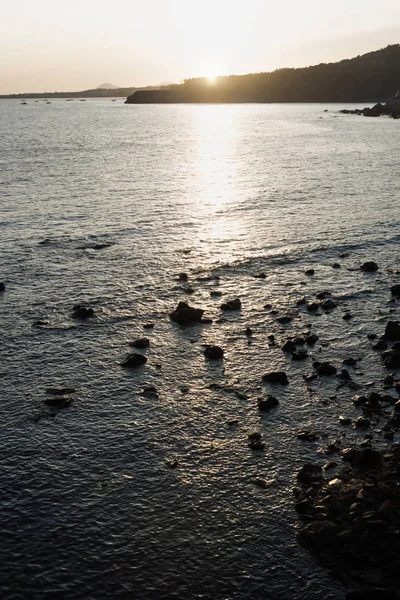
81, 312
313, 307
392, 331
395, 289
347, 317
260, 275
309, 474
248, 332
329, 305
365, 458
350, 362
214, 353
344, 420
324, 368
372, 336
284, 319
182, 277
60, 391
58, 402
381, 345
289, 346
2, 286
312, 339
267, 403
307, 436
134, 360
344, 375
150, 392
318, 534
391, 359
255, 442
309, 272
186, 315
388, 381
369, 267
232, 305
148, 326
362, 423
215, 293
300, 354
336, 266
323, 295
141, 343
301, 301
279, 377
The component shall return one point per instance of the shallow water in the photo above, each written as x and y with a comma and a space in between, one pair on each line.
90, 505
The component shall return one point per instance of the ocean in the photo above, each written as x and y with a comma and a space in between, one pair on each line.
143, 485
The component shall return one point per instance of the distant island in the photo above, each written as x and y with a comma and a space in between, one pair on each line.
372, 77
103, 91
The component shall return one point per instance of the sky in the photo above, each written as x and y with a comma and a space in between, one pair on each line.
72, 45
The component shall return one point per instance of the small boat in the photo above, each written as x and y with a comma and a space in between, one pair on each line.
24, 103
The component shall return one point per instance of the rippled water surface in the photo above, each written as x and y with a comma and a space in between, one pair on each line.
127, 495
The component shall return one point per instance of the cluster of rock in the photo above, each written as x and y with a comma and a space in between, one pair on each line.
391, 109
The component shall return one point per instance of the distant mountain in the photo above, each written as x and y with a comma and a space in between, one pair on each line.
95, 93
107, 86
368, 78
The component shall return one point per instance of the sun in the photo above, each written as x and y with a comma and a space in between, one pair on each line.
211, 70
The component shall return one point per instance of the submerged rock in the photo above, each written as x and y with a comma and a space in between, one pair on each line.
395, 290
392, 331
324, 368
2, 286
81, 312
141, 343
267, 403
214, 353
369, 267
279, 377
232, 305
186, 315
133, 361
310, 474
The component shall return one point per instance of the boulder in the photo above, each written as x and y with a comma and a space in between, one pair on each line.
324, 368
2, 286
369, 267
392, 331
329, 305
133, 361
232, 305
81, 312
141, 343
267, 403
310, 474
186, 315
319, 534
395, 289
214, 353
279, 377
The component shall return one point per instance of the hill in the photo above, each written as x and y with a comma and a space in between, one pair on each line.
107, 86
371, 77
95, 93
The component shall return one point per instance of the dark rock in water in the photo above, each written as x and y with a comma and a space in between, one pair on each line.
365, 458
182, 277
232, 305
150, 392
323, 295
391, 360
289, 346
392, 331
369, 267
347, 317
133, 361
81, 312
350, 362
215, 293
255, 441
324, 368
344, 420
260, 275
396, 347
313, 307
300, 354
395, 289
301, 301
299, 341
319, 534
381, 345
214, 353
186, 315
2, 286
279, 377
388, 381
310, 474
284, 319
372, 336
248, 332
309, 272
100, 246
329, 305
307, 436
40, 323
267, 403
344, 375
58, 402
141, 343
336, 266
148, 326
362, 423
312, 339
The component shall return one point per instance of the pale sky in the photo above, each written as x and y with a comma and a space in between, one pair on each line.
71, 45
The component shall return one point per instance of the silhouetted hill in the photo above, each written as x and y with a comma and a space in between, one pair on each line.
371, 77
107, 86
96, 93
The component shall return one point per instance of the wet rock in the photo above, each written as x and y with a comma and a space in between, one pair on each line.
2, 286
336, 266
391, 359
350, 362
328, 305
347, 317
248, 332
310, 474
362, 423
395, 290
182, 277
372, 336
284, 319
172, 464
381, 345
148, 326
369, 267
313, 307
344, 375
81, 312
344, 421
289, 346
232, 305
392, 331
299, 341
261, 275
312, 339
186, 315
58, 402
307, 436
255, 441
60, 391
309, 272
278, 377
301, 301
300, 354
323, 295
133, 361
388, 381
324, 368
318, 534
214, 353
365, 458
140, 344
267, 403
150, 392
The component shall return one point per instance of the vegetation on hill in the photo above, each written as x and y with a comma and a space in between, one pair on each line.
371, 77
